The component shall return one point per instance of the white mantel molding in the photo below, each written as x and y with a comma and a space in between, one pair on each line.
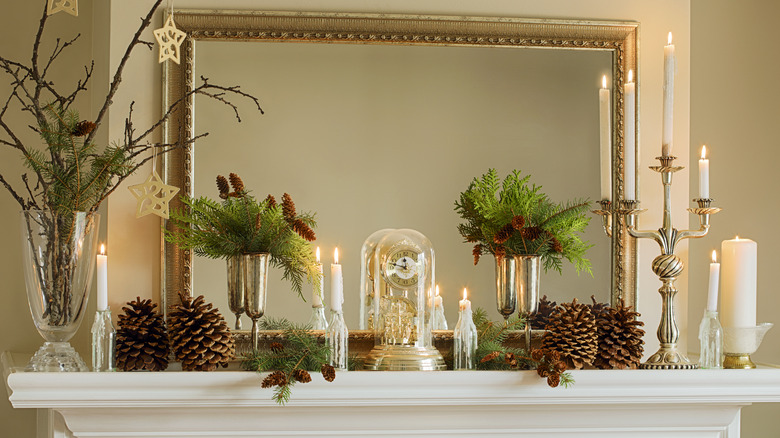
695, 403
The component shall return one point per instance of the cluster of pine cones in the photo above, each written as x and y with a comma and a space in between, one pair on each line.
280, 378
591, 335
200, 337
517, 225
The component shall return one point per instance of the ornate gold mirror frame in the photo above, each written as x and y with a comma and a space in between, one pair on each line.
618, 38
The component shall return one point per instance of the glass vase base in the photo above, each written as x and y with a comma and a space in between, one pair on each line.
56, 357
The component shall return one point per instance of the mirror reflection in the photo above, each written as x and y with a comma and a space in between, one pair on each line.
387, 136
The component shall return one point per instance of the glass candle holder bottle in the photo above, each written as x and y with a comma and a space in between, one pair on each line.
711, 339
103, 342
338, 340
465, 336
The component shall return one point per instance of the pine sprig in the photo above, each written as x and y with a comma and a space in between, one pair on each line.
492, 210
241, 225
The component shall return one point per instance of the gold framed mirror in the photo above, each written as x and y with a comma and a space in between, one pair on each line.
210, 31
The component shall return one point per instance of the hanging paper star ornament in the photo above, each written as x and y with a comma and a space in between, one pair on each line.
69, 6
170, 39
153, 196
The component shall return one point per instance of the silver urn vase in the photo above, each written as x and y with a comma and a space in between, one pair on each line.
517, 286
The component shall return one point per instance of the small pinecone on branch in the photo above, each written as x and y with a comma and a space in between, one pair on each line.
222, 185
476, 252
328, 372
572, 331
288, 207
200, 338
619, 338
556, 245
503, 234
499, 251
303, 230
83, 128
518, 222
141, 339
541, 317
237, 183
276, 378
531, 233
302, 376
271, 201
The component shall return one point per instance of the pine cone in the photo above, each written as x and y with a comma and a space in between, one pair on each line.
271, 201
302, 376
237, 183
499, 250
276, 378
222, 185
619, 338
477, 251
200, 338
141, 339
288, 207
303, 230
503, 234
276, 347
258, 221
596, 308
518, 222
541, 317
83, 128
556, 245
554, 380
572, 332
531, 233
328, 372
490, 356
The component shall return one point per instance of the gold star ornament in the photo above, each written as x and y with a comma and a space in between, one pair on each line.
153, 196
69, 6
170, 39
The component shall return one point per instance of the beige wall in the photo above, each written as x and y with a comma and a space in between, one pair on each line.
734, 110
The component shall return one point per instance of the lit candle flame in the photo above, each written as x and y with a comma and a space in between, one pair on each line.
669, 39
465, 293
318, 254
631, 76
703, 152
437, 290
604, 81
736, 238
714, 256
336, 256
102, 249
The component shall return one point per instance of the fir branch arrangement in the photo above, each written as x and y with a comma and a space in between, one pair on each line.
493, 354
290, 362
71, 173
240, 224
513, 217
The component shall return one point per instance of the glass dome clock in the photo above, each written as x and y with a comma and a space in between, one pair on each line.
402, 267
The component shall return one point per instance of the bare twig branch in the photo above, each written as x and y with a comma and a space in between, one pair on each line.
13, 192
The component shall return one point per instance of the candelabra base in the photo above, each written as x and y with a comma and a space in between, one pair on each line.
668, 358
738, 361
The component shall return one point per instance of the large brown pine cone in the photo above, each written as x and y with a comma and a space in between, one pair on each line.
141, 338
619, 338
541, 317
200, 337
572, 332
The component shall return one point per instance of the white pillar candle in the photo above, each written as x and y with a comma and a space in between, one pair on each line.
102, 279
630, 165
437, 301
464, 304
317, 294
336, 284
712, 292
740, 270
605, 125
669, 68
704, 174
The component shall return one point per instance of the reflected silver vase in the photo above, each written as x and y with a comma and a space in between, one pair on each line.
59, 260
517, 286
235, 283
255, 276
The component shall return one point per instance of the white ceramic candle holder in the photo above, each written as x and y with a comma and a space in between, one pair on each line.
740, 342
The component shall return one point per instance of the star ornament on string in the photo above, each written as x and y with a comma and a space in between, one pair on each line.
69, 6
153, 196
170, 39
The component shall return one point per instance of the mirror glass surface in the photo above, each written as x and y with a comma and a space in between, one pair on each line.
387, 136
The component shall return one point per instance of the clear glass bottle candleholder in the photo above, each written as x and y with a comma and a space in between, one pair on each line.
103, 342
338, 340
317, 320
439, 321
464, 347
711, 341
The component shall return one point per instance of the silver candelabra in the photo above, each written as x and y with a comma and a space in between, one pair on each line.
668, 266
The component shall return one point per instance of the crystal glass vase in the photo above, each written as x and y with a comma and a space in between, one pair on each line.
59, 260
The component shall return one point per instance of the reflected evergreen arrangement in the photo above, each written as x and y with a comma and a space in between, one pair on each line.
240, 224
513, 217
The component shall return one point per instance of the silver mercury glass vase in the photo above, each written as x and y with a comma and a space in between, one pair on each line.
255, 276
517, 286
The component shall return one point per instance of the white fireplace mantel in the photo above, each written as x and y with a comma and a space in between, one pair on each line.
696, 403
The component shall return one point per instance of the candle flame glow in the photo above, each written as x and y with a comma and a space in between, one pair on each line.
669, 39
631, 76
318, 254
604, 81
714, 256
437, 290
736, 238
703, 152
465, 293
102, 249
336, 256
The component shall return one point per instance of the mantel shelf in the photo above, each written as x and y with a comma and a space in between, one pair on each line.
503, 402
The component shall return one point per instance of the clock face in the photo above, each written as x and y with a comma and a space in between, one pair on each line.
401, 269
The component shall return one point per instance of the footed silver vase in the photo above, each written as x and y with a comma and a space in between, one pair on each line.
517, 286
255, 277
